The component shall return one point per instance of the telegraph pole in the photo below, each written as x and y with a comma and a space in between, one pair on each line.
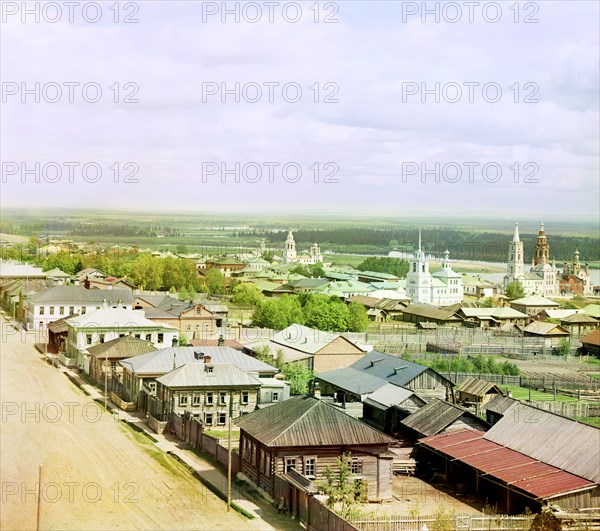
229, 452
39, 499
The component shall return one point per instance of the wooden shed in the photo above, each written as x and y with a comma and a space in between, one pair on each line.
476, 391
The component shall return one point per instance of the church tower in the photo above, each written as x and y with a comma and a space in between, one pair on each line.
541, 253
515, 264
418, 278
289, 255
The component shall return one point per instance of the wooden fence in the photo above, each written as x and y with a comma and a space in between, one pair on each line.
433, 522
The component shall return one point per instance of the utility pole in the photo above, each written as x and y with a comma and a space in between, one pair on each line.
105, 382
39, 499
229, 452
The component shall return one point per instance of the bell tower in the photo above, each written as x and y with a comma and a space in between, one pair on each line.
541, 252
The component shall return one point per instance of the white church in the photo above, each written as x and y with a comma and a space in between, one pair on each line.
442, 288
290, 255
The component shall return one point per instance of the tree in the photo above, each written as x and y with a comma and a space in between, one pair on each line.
488, 302
278, 313
563, 348
183, 340
514, 290
358, 320
183, 294
299, 376
247, 295
280, 359
215, 281
385, 264
182, 249
339, 487
268, 256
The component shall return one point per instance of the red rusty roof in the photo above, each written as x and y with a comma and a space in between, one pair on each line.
530, 475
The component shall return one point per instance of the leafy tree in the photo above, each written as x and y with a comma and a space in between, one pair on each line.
488, 302
299, 376
327, 315
358, 320
182, 249
215, 281
278, 313
339, 487
268, 256
247, 294
183, 340
280, 359
563, 348
263, 353
514, 290
183, 294
385, 264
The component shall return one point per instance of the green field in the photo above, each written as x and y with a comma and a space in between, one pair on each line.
522, 393
592, 421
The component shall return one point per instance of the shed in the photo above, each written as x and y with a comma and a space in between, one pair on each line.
476, 391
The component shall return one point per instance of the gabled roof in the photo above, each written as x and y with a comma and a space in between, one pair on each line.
429, 311
499, 404
197, 375
477, 387
593, 338
542, 328
553, 439
436, 416
116, 318
307, 421
535, 300
122, 347
592, 309
304, 339
12, 269
373, 371
80, 295
57, 273
583, 318
161, 361
497, 313
390, 395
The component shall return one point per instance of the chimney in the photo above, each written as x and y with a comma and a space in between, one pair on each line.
221, 341
174, 360
198, 355
86, 283
317, 390
207, 359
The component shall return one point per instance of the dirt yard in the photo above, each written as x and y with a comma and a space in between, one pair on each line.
94, 473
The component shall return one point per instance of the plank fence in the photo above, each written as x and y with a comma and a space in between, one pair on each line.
433, 522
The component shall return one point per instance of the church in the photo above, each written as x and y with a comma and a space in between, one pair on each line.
290, 256
442, 288
543, 278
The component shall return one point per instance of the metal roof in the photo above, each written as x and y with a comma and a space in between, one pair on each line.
537, 479
542, 328
307, 421
477, 387
535, 300
304, 339
436, 416
116, 318
551, 438
390, 395
161, 361
122, 347
498, 313
580, 318
198, 375
79, 294
374, 370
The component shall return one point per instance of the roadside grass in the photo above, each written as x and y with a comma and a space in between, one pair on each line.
224, 434
522, 393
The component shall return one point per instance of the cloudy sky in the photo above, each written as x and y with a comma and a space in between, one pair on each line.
340, 94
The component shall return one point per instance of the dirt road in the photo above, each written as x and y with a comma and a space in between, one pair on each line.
94, 474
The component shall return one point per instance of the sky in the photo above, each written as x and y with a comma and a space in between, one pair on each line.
383, 108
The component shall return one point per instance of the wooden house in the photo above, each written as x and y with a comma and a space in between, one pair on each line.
306, 434
476, 391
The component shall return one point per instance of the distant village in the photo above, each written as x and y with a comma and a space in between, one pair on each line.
384, 394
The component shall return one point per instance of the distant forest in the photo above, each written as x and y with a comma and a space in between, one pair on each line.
462, 244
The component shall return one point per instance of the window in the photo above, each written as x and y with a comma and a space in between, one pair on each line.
198, 309
161, 338
101, 338
209, 368
83, 310
196, 400
222, 418
290, 463
208, 419
97, 307
138, 336
51, 310
88, 339
42, 310
113, 365
61, 310
152, 386
183, 400
222, 398
310, 466
356, 466
209, 399
245, 397
71, 310
275, 396
188, 327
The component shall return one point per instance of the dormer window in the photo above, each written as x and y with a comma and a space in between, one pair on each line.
209, 368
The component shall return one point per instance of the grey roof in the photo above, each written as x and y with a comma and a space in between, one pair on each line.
108, 318
304, 339
432, 312
435, 417
308, 282
373, 371
79, 294
161, 361
197, 375
551, 438
499, 404
307, 421
542, 328
535, 300
580, 318
390, 395
122, 347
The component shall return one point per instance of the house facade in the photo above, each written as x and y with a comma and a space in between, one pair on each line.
306, 435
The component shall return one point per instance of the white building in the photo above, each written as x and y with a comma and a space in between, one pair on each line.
290, 255
442, 288
542, 277
60, 301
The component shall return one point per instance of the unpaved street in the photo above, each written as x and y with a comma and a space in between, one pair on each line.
94, 474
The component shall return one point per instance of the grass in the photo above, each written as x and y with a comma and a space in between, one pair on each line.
592, 421
522, 393
224, 434
594, 375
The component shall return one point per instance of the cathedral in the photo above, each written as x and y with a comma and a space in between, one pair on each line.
290, 255
442, 288
543, 278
